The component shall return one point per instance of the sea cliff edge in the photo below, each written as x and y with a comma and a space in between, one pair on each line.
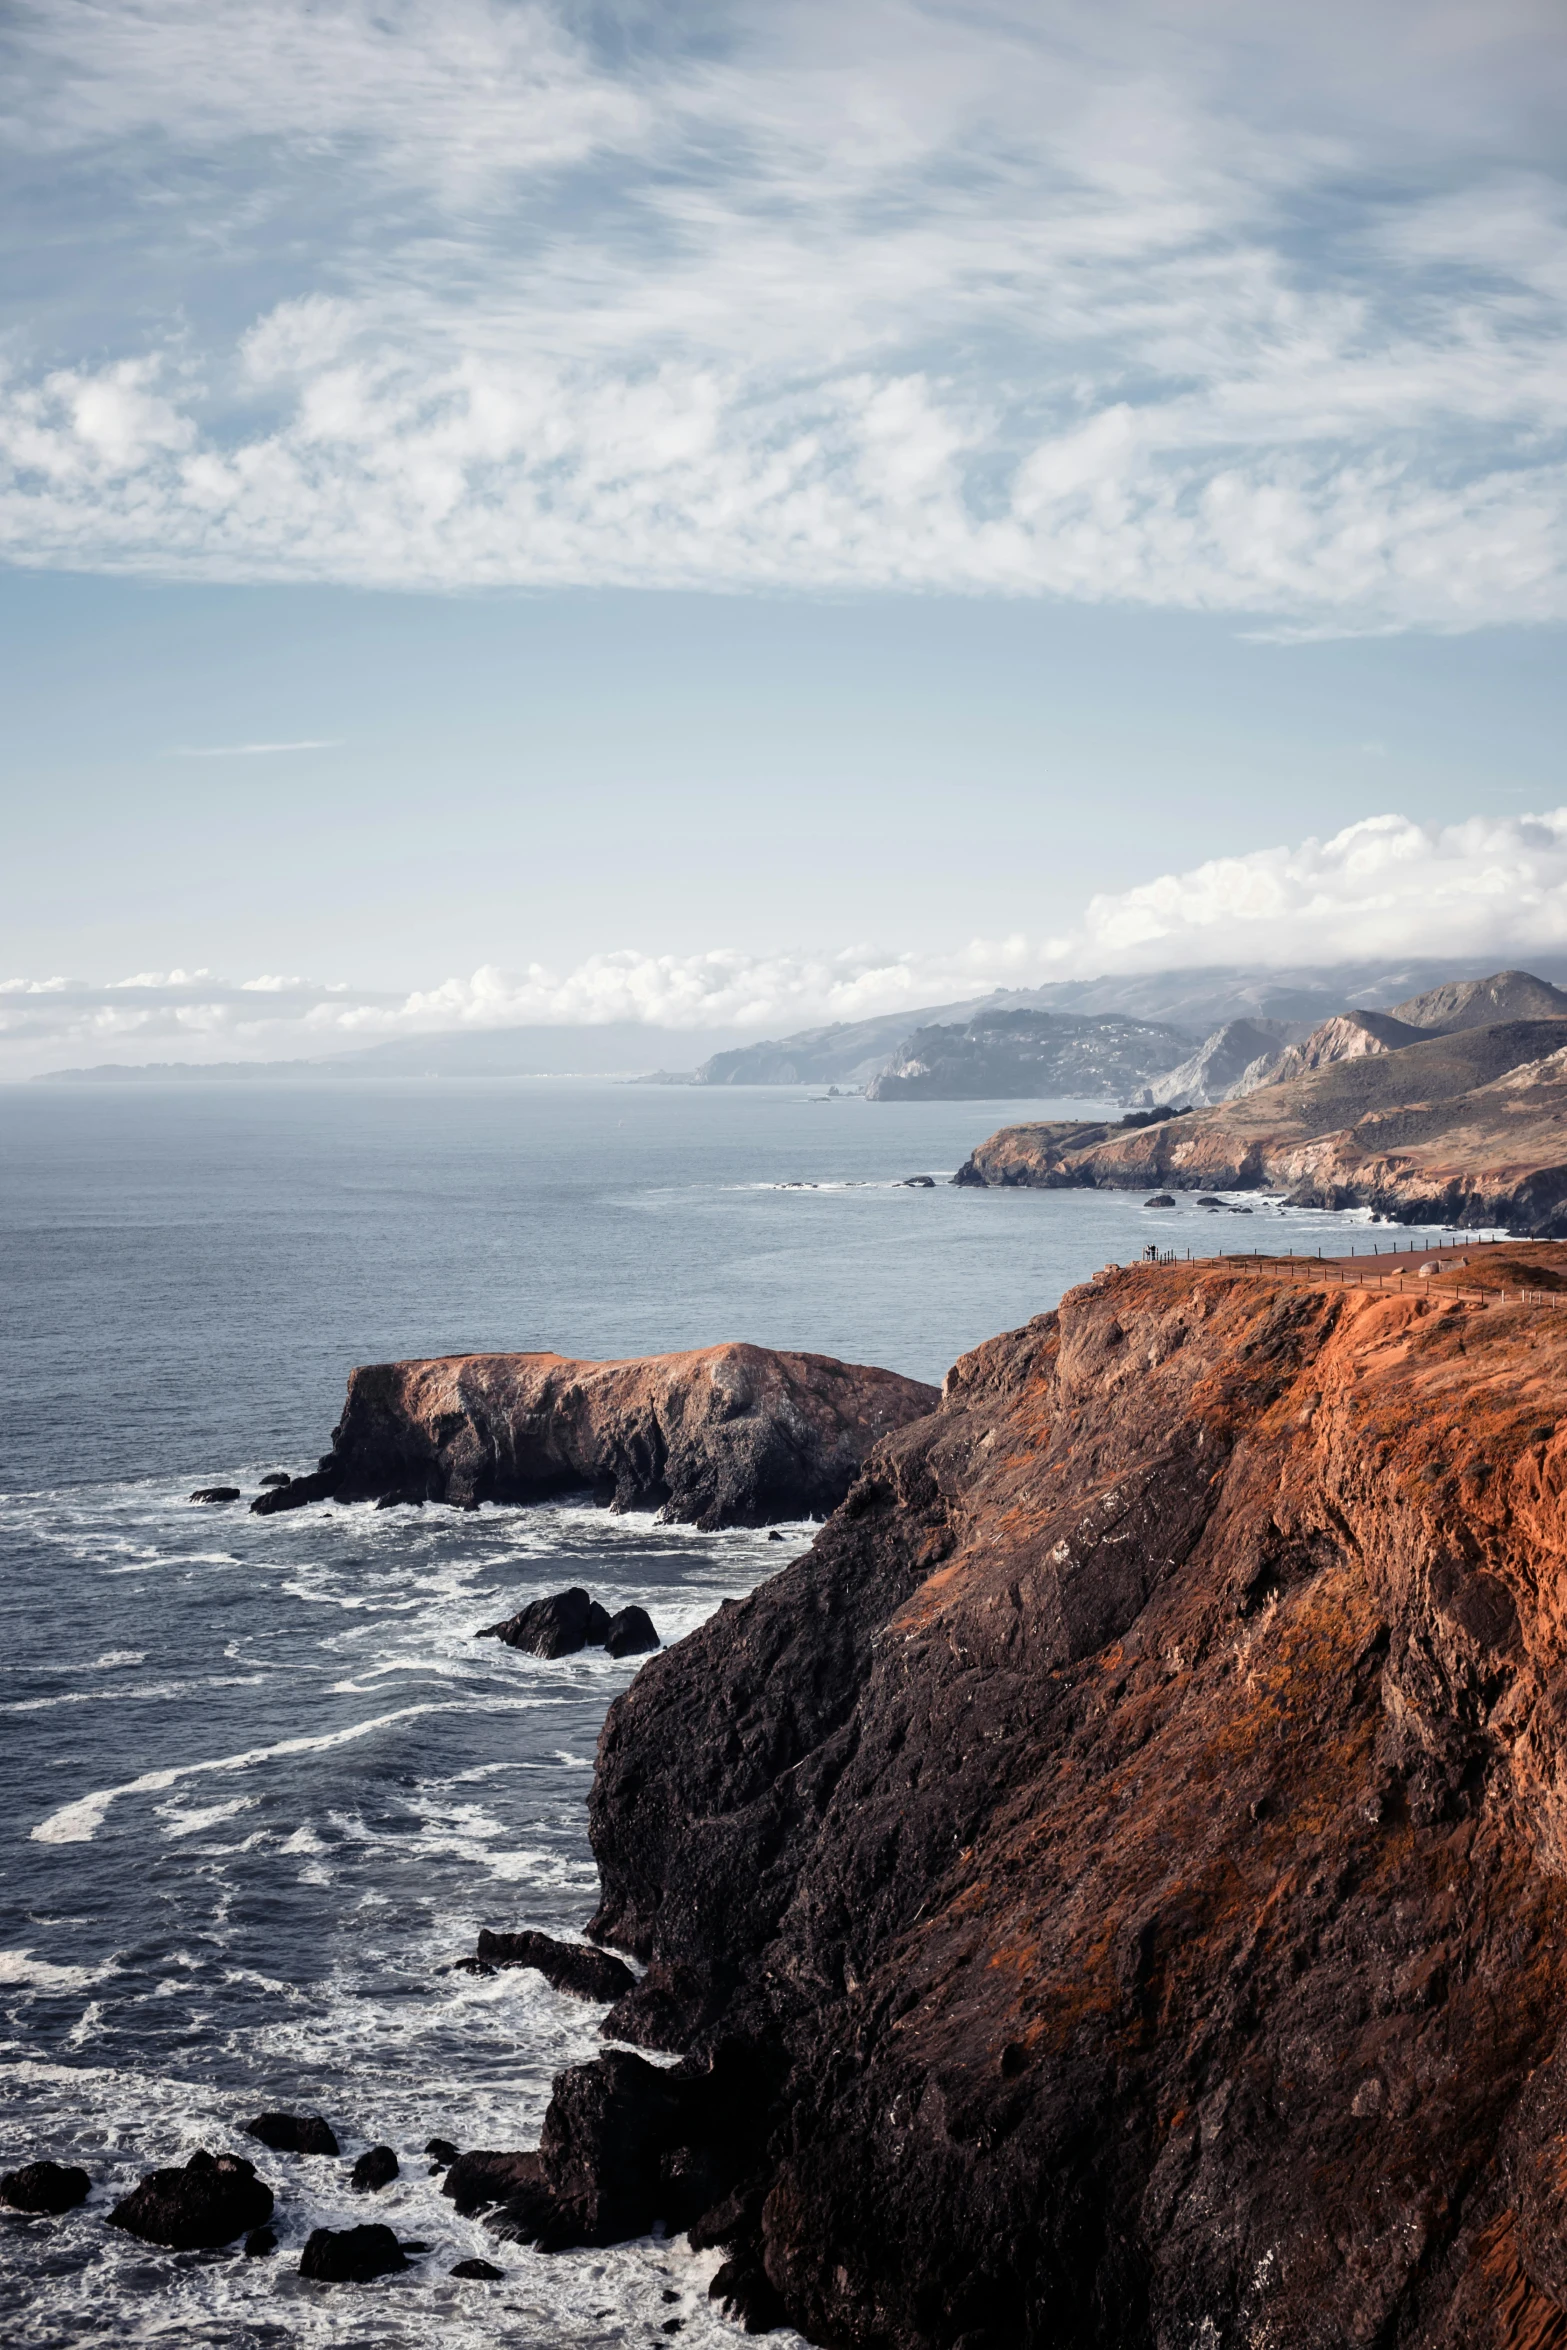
1111, 1889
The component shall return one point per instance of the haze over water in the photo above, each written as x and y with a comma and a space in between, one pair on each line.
262, 1785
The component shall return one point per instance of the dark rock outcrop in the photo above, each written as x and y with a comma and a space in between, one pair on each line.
293, 2133
351, 2256
274, 1479
1112, 1891
375, 2169
483, 2176
261, 2243
216, 1493
568, 1966
731, 1435
442, 2150
50, 2187
320, 1485
476, 2271
625, 2143
557, 1626
208, 2202
631, 1632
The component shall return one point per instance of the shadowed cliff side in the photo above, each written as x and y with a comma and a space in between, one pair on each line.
1113, 1888
724, 1436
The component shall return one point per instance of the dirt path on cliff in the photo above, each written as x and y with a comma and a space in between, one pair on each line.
1484, 1272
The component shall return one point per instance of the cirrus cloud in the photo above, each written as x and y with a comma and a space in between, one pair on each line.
1165, 306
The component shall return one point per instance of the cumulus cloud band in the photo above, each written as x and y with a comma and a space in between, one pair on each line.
1491, 888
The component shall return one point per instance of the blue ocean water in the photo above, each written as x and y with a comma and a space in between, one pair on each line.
261, 1784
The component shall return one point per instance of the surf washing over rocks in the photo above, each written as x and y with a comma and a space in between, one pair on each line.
271, 1792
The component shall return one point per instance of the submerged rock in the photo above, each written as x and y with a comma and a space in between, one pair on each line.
477, 2271
569, 1966
375, 2169
45, 2187
216, 1493
208, 2202
293, 2133
631, 1633
320, 1485
351, 2256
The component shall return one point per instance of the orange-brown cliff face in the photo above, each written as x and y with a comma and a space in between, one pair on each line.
726, 1435
1121, 1869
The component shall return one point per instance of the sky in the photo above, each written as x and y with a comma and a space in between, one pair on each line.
731, 515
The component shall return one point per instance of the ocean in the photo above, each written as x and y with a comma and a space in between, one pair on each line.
262, 1786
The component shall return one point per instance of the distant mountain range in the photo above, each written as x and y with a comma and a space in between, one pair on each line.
616, 1048
1182, 1038
1170, 1037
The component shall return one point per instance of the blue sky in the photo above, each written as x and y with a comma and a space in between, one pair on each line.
737, 513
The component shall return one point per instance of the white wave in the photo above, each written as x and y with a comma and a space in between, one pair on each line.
144, 1689
79, 1822
21, 1968
116, 1656
191, 1823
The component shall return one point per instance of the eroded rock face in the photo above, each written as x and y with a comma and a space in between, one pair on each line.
731, 1435
1113, 1889
209, 2201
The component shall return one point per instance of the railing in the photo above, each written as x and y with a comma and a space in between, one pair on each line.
1393, 1283
1372, 1274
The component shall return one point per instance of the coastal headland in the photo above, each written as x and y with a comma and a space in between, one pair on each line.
1111, 1889
1461, 1129
723, 1436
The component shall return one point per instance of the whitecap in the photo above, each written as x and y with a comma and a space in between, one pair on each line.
36, 1974
79, 1822
190, 1823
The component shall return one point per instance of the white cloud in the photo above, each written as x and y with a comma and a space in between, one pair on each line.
1493, 886
1173, 306
248, 750
1492, 889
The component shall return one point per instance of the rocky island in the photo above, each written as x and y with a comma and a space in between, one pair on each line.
723, 1436
1112, 1890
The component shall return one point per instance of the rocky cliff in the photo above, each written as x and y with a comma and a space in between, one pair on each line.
1466, 1128
1001, 1053
729, 1435
1113, 1888
1240, 1054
